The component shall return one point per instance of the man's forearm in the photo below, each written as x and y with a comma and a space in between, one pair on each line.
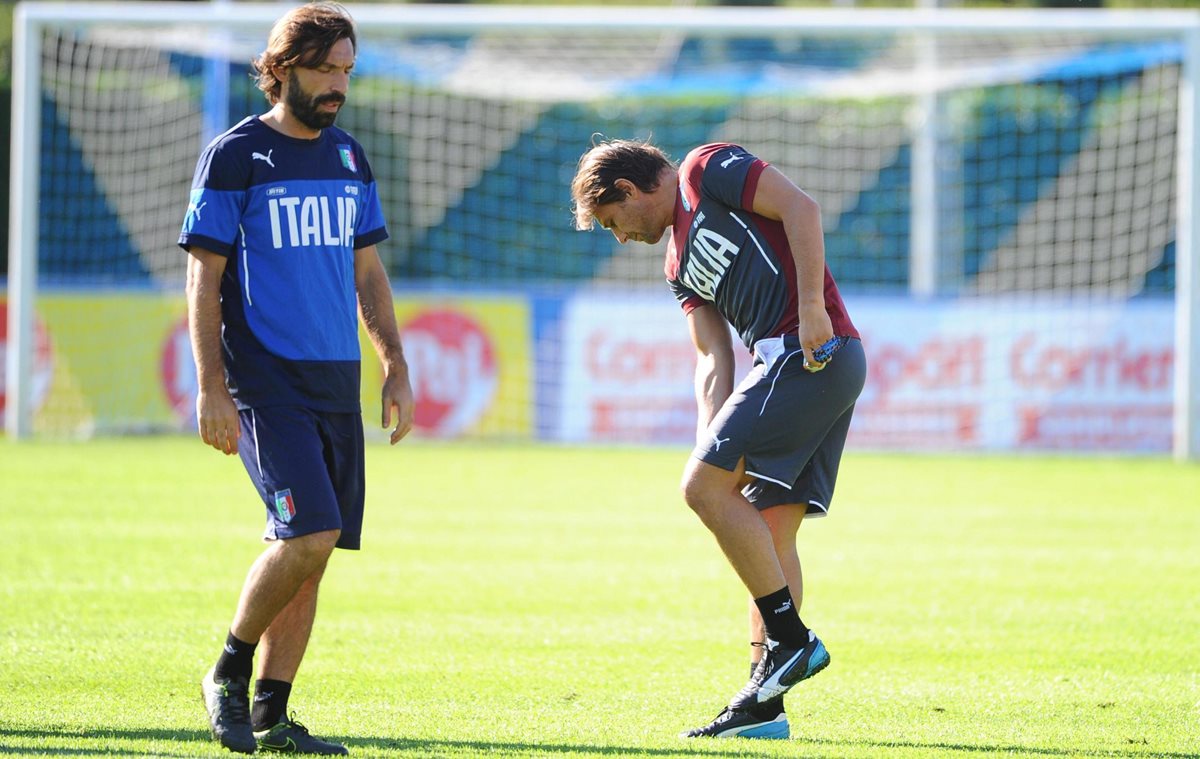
379, 318
204, 325
714, 384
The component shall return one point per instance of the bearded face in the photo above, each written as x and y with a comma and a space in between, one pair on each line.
313, 111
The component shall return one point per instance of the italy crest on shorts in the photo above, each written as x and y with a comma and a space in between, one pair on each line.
284, 506
347, 155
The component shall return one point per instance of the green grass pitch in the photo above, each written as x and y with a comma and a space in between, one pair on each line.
562, 602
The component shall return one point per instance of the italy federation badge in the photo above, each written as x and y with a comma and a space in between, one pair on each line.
284, 506
348, 158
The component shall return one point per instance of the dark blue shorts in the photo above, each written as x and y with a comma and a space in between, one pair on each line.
789, 425
308, 468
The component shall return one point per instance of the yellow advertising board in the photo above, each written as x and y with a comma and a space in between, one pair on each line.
121, 361
471, 366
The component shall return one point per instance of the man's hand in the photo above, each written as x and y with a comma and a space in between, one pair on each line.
398, 395
816, 329
218, 420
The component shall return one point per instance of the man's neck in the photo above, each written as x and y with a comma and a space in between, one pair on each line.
669, 185
279, 119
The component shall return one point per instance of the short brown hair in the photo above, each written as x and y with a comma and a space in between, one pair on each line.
603, 164
302, 37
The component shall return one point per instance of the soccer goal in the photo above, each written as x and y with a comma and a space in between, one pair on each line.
1008, 197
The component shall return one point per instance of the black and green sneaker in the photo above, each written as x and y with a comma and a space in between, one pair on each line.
290, 737
228, 707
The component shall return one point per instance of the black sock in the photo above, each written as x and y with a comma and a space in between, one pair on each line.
270, 703
237, 660
781, 620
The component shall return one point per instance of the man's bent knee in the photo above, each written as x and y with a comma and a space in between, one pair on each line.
691, 486
703, 485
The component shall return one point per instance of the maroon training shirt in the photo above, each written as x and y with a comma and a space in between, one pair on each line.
721, 252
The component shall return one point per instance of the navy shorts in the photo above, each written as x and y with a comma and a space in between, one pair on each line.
308, 468
788, 424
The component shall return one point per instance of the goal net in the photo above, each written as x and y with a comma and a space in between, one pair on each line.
1007, 200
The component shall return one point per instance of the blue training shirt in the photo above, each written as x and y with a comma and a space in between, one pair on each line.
288, 214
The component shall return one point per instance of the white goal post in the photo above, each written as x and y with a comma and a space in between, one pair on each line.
929, 271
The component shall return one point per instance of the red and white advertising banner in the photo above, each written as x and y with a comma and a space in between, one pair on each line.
1017, 373
628, 368
981, 374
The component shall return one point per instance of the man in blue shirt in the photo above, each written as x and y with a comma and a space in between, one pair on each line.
281, 230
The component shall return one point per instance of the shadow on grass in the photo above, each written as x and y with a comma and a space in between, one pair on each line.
442, 747
474, 748
110, 737
108, 743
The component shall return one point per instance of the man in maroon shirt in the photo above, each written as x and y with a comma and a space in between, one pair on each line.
746, 251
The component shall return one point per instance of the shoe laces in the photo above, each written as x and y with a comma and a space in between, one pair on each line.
237, 701
762, 660
724, 716
294, 723
766, 664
